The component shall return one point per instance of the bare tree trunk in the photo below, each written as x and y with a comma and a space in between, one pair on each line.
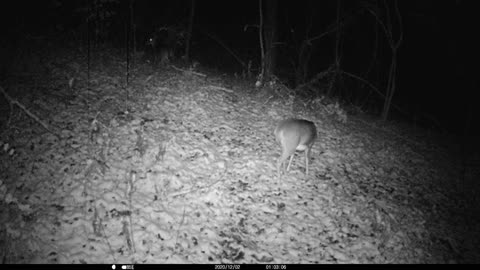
271, 38
303, 60
189, 33
338, 44
268, 38
134, 27
394, 45
390, 86
366, 102
260, 79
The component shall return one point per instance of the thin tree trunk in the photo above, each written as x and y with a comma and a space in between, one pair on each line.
268, 36
189, 33
271, 38
338, 42
260, 79
394, 45
134, 32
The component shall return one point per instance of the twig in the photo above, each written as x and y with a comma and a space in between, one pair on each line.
130, 190
218, 88
230, 51
267, 100
220, 179
108, 242
179, 226
189, 71
21, 106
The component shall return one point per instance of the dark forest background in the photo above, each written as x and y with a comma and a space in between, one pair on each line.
436, 81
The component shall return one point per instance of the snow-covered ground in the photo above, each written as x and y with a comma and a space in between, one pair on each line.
188, 176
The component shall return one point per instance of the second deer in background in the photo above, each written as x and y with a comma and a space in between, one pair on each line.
160, 46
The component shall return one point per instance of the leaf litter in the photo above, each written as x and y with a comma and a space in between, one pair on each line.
187, 175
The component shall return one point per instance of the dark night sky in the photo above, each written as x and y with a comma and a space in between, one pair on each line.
437, 60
